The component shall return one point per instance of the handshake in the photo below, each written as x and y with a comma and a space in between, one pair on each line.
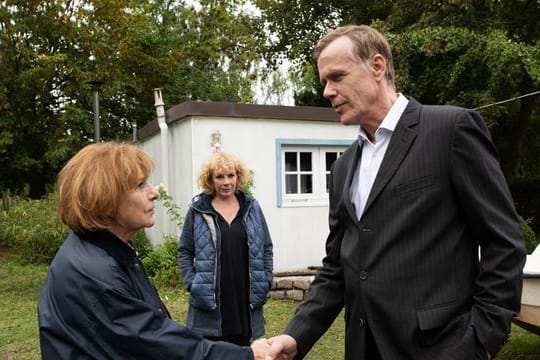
281, 347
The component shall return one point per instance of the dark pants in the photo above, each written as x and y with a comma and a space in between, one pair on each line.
372, 352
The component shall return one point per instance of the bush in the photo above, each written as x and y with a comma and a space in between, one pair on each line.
161, 263
7, 200
526, 194
141, 244
32, 229
530, 237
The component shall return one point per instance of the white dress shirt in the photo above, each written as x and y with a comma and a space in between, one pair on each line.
373, 154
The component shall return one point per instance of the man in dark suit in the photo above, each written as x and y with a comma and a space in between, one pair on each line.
425, 250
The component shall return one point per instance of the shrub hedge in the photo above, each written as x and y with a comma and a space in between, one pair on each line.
32, 229
531, 241
526, 194
161, 263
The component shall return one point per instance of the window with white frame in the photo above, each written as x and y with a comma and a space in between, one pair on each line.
305, 172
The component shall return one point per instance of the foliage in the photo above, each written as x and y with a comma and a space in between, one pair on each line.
28, 96
7, 200
530, 163
295, 26
142, 244
461, 66
173, 210
526, 195
470, 68
161, 264
33, 229
457, 52
531, 241
250, 185
51, 50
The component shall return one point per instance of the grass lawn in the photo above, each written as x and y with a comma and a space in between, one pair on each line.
19, 290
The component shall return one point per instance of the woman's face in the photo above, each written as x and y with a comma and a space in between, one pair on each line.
224, 182
136, 210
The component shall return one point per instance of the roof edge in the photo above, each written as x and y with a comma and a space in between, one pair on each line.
227, 109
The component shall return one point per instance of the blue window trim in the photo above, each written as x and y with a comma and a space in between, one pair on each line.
301, 142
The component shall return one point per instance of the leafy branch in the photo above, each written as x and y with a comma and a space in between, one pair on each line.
173, 210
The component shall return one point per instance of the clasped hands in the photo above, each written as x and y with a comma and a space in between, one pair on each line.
281, 347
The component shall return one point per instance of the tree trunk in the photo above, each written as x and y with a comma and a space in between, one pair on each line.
519, 133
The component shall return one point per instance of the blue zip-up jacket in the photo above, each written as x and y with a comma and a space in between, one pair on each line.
198, 258
98, 303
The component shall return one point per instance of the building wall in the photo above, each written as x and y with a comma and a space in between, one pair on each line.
177, 177
298, 233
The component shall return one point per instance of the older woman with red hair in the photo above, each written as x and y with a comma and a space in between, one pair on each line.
97, 301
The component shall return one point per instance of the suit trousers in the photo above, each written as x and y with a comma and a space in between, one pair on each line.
372, 351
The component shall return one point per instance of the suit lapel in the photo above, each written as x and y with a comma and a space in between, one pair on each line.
351, 167
400, 143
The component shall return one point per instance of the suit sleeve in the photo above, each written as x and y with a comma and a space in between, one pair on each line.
325, 295
490, 213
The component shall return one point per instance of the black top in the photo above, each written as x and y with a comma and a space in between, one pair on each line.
234, 284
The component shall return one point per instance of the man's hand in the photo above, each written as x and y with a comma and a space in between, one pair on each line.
282, 347
260, 348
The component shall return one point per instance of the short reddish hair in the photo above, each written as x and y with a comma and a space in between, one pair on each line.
92, 183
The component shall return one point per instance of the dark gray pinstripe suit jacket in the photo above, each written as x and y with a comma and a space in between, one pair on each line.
410, 267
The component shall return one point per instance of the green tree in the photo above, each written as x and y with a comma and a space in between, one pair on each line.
469, 68
462, 52
27, 92
51, 49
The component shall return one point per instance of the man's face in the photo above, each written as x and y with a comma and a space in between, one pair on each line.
351, 86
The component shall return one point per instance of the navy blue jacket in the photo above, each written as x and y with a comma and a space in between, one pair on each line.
198, 257
98, 303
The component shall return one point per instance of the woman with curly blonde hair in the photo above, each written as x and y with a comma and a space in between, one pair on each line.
225, 254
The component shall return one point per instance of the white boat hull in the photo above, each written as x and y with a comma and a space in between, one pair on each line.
529, 317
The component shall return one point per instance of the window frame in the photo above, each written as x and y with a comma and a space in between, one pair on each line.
318, 147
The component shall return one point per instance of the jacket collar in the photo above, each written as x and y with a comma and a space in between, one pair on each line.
402, 138
118, 249
202, 202
400, 143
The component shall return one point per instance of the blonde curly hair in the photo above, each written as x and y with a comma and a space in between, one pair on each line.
218, 161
